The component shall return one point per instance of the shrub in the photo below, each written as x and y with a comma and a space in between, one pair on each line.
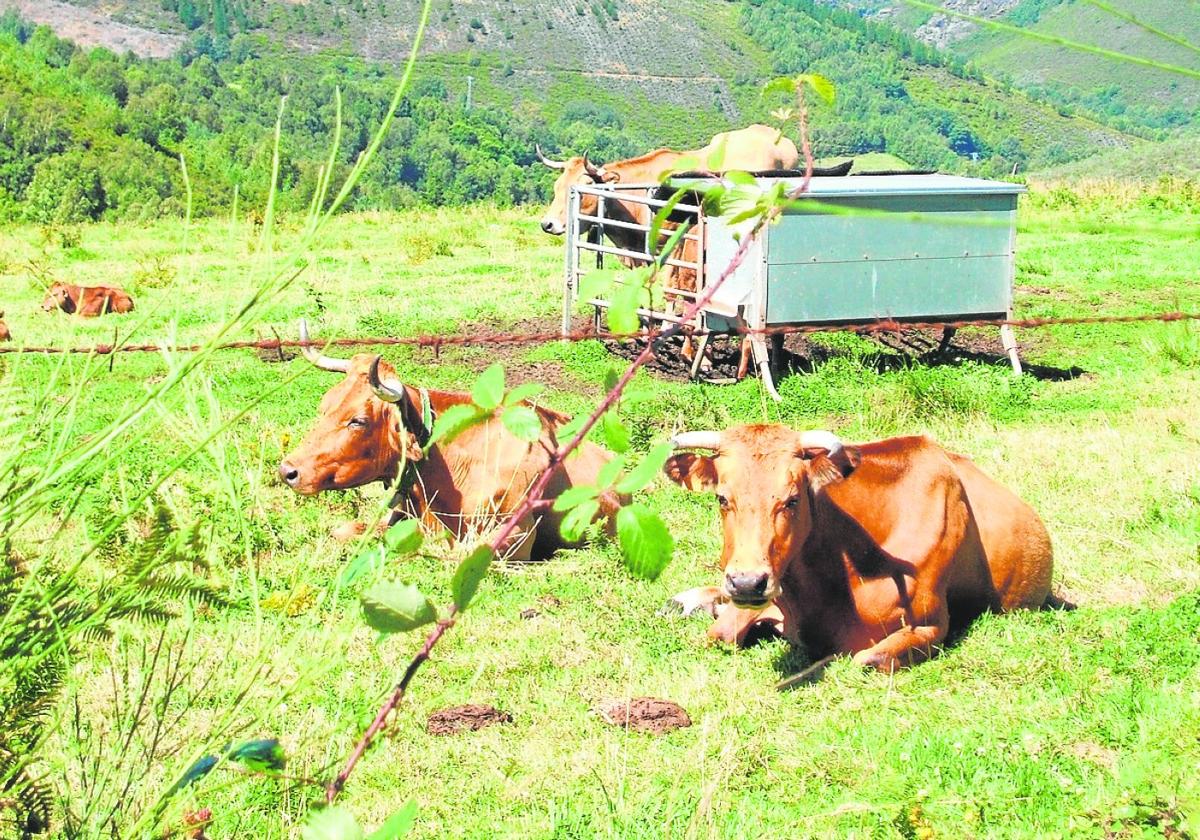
65, 190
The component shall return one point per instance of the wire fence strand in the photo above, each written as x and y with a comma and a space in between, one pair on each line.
491, 338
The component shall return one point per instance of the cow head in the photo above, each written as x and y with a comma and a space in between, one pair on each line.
59, 297
576, 171
360, 436
765, 479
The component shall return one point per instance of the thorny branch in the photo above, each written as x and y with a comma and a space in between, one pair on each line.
534, 497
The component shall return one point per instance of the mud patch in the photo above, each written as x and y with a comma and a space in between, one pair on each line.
466, 718
274, 355
645, 714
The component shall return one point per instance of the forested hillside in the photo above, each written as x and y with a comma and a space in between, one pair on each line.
88, 133
1127, 96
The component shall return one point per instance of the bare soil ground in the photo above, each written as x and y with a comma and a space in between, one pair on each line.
92, 29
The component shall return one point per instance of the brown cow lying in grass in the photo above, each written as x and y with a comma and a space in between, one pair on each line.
5, 335
87, 301
871, 550
371, 424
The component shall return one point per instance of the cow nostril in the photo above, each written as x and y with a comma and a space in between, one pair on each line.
548, 227
289, 473
748, 584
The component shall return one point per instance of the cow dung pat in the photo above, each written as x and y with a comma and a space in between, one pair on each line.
645, 714
470, 717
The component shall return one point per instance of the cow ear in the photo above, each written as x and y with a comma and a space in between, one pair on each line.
611, 177
412, 447
695, 472
823, 470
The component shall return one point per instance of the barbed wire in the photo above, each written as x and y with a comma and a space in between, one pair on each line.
488, 338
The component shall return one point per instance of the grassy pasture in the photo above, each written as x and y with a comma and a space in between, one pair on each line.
1080, 724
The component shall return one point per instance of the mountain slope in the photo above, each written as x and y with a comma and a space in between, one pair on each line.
1124, 94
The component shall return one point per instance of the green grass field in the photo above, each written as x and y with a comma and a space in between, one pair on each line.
1073, 724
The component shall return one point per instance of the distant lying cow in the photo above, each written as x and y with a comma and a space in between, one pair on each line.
5, 335
871, 550
371, 422
87, 301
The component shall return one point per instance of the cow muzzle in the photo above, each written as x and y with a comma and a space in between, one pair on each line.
293, 476
751, 590
553, 227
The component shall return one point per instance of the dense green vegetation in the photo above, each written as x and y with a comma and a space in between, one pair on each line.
1133, 98
89, 134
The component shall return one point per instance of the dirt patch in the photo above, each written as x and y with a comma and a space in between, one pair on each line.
645, 714
94, 29
466, 718
274, 355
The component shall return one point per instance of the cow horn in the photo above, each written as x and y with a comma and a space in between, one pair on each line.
816, 439
553, 164
317, 357
697, 440
596, 174
391, 391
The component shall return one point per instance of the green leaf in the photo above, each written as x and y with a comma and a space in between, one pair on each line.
740, 178
646, 471
523, 392
371, 557
820, 85
523, 422
332, 823
660, 217
622, 309
455, 420
615, 433
398, 824
576, 522
573, 496
646, 544
488, 390
395, 607
687, 163
404, 537
598, 283
469, 573
784, 84
611, 377
716, 158
608, 473
262, 754
568, 430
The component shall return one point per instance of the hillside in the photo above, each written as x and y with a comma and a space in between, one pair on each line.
1125, 95
1145, 162
612, 77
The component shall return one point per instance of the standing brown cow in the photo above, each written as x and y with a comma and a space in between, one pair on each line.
375, 428
871, 550
87, 301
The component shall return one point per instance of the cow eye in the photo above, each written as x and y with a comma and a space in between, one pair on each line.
792, 503
722, 501
357, 422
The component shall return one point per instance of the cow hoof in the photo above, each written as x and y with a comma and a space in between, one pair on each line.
705, 598
348, 531
875, 659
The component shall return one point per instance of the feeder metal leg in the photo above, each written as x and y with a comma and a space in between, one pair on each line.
1010, 346
947, 336
762, 358
701, 348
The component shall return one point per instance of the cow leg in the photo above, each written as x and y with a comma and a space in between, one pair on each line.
348, 531
734, 625
703, 598
908, 645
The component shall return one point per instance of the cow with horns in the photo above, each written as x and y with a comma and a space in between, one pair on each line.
751, 149
874, 550
373, 427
